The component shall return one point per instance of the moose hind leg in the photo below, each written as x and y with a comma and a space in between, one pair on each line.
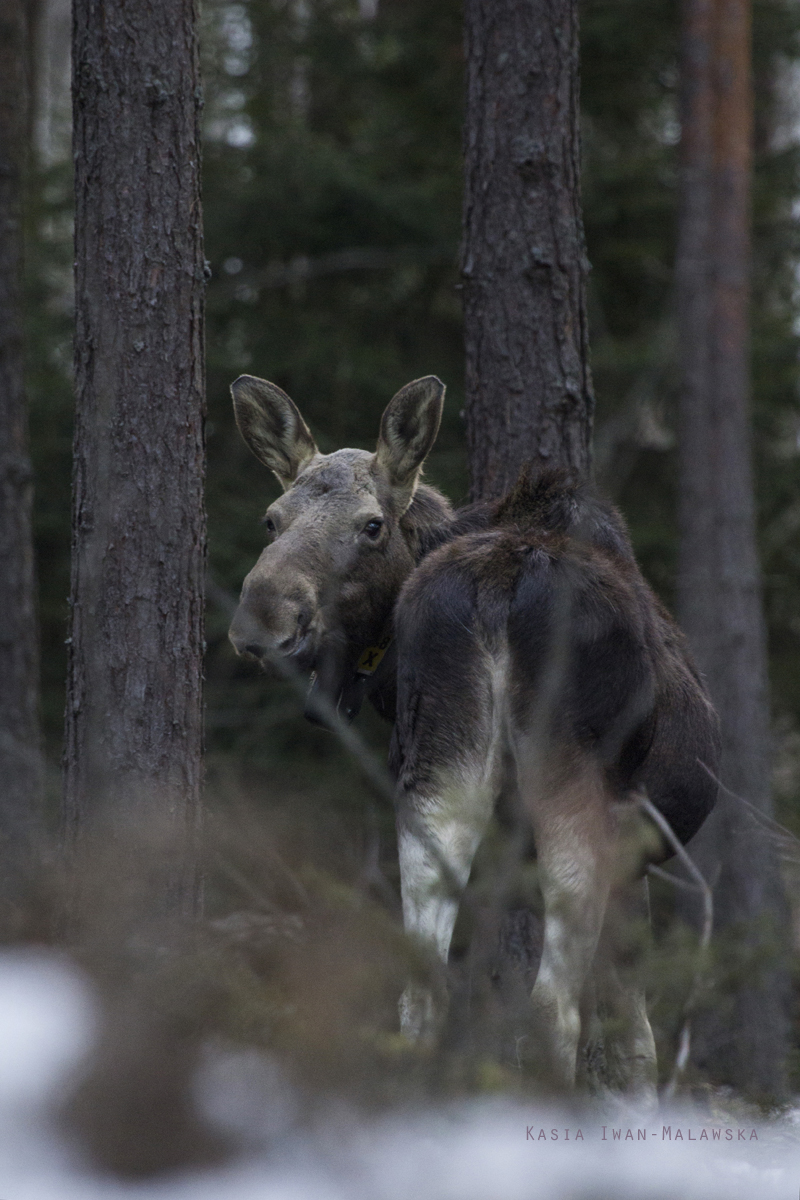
630, 1046
573, 841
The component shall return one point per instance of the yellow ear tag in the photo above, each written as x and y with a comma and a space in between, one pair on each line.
372, 657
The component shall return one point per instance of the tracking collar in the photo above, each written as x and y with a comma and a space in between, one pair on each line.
372, 657
352, 693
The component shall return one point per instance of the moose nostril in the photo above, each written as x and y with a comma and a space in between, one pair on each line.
254, 649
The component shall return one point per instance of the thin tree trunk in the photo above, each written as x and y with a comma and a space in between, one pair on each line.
20, 748
133, 721
529, 392
719, 580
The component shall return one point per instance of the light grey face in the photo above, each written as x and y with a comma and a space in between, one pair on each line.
326, 583
335, 561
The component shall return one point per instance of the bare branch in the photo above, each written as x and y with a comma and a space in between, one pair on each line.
349, 737
304, 267
767, 821
684, 1041
673, 879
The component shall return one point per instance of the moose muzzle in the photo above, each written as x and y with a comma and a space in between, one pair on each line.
272, 624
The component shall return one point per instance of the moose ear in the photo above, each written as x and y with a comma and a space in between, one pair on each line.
272, 427
408, 430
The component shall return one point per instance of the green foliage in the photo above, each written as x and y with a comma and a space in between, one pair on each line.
48, 344
333, 235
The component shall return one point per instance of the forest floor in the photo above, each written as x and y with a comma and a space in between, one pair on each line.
487, 1149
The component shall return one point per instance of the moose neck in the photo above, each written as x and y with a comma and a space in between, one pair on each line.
425, 525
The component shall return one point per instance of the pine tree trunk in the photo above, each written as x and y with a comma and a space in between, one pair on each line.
134, 720
529, 397
719, 580
529, 392
20, 749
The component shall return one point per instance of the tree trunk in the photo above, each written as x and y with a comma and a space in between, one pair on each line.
529, 392
529, 397
719, 582
134, 721
20, 749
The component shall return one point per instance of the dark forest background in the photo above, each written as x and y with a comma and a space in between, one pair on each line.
333, 175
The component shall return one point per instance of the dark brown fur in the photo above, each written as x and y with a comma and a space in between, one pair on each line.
557, 537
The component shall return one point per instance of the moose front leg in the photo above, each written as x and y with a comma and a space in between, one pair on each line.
437, 842
448, 758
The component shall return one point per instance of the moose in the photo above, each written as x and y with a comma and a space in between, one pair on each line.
519, 652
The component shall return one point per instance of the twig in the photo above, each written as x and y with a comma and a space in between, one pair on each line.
220, 596
684, 1041
673, 879
372, 875
347, 735
243, 883
762, 816
304, 267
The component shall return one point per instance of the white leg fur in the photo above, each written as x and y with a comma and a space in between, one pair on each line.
437, 846
439, 833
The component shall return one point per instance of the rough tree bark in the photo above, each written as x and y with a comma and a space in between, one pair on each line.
529, 395
133, 721
20, 749
719, 581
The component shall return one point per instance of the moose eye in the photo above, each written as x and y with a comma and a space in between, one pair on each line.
373, 528
268, 524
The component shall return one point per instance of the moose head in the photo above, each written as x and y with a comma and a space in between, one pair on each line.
339, 550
